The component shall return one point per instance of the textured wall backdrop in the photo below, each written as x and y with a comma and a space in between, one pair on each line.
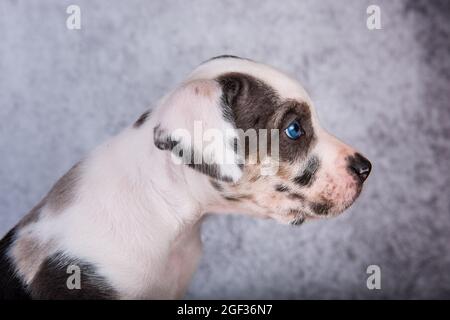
386, 92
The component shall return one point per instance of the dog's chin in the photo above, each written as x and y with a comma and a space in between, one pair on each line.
334, 204
340, 206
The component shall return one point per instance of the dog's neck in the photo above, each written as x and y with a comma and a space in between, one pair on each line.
158, 190
151, 206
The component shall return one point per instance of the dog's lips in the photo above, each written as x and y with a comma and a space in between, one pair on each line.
328, 205
344, 205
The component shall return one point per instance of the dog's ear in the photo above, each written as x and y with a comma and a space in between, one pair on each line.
192, 125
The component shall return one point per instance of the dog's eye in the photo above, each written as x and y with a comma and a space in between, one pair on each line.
294, 130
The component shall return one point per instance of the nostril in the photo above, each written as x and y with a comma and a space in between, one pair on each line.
361, 166
364, 173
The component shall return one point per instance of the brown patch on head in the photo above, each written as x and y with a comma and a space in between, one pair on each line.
28, 254
292, 151
247, 103
250, 101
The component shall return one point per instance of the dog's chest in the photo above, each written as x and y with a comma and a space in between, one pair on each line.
183, 260
173, 275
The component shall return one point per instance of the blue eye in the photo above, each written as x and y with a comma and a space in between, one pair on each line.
294, 130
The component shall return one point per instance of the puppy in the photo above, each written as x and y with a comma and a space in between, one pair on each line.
124, 222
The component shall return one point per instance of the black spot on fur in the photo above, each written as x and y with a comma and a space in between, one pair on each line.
11, 286
308, 175
224, 56
320, 208
216, 185
237, 197
296, 196
139, 122
281, 188
162, 140
167, 144
299, 217
50, 281
231, 198
298, 221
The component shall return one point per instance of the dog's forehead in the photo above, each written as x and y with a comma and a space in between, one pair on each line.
285, 86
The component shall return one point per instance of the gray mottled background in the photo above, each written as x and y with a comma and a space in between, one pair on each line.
386, 92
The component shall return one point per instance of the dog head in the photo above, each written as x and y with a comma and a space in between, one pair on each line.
254, 133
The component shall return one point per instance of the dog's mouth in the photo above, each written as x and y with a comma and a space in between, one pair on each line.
324, 207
